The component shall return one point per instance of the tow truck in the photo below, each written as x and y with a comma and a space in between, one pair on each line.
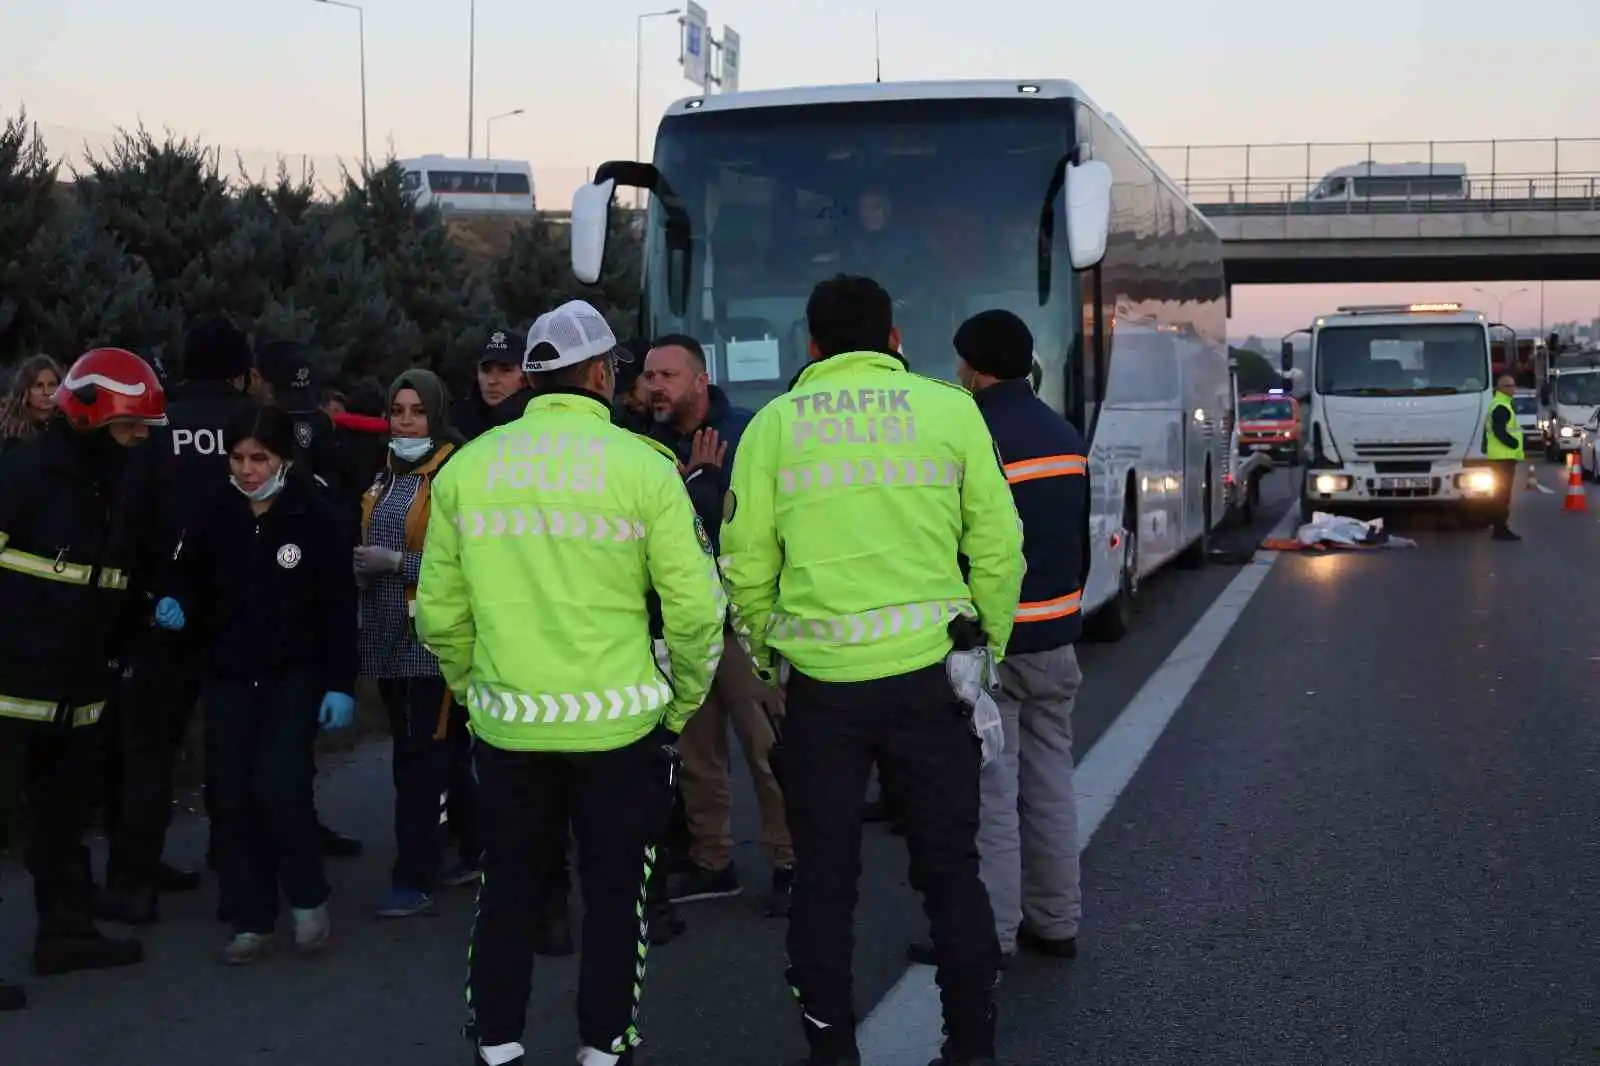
1398, 396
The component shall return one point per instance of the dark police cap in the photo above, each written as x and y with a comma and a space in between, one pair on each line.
503, 346
214, 349
997, 343
285, 365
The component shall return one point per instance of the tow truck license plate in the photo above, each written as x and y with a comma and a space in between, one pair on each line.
1260, 447
1405, 482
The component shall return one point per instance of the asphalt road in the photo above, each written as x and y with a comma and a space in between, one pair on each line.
1368, 836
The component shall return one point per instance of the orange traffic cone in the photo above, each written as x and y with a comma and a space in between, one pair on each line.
1532, 483
1575, 501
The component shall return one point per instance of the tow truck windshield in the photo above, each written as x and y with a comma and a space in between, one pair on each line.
938, 200
1578, 390
1401, 360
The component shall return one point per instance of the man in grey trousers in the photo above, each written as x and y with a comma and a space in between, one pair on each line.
1028, 831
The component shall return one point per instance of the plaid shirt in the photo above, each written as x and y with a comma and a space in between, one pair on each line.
389, 645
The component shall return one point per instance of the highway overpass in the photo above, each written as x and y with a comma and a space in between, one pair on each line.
1531, 211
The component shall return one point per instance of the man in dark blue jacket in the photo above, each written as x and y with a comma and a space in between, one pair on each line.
1046, 463
694, 418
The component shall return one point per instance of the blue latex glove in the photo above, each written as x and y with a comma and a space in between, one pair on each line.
169, 614
338, 711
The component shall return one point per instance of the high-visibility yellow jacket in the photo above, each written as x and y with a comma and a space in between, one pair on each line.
852, 499
545, 538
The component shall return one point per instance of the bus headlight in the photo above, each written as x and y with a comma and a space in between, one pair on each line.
1330, 483
1477, 481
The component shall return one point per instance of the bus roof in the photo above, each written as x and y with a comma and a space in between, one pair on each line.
961, 89
467, 166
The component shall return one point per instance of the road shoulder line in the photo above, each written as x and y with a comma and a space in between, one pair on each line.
904, 1028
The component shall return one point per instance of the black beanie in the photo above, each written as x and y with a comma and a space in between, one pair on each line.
997, 343
215, 350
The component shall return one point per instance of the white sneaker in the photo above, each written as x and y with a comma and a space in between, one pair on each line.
311, 928
588, 1056
246, 948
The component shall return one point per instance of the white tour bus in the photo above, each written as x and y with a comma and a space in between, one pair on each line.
501, 186
957, 197
1394, 181
1398, 397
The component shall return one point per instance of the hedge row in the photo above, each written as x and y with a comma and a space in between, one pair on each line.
128, 246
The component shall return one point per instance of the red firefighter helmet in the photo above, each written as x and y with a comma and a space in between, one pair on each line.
109, 385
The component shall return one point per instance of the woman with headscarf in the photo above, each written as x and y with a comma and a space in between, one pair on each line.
27, 408
432, 769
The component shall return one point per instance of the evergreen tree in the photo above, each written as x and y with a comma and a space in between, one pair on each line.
27, 207
536, 274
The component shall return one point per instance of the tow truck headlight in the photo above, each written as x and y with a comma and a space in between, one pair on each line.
1330, 483
1479, 481
1568, 431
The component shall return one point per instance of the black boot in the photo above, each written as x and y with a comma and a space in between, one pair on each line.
12, 996
126, 905
80, 946
949, 1060
336, 845
170, 880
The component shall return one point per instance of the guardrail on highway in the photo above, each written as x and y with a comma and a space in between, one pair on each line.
1515, 174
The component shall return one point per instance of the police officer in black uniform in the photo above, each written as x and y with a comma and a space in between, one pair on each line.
284, 378
161, 678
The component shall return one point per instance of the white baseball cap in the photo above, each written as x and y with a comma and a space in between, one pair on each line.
577, 332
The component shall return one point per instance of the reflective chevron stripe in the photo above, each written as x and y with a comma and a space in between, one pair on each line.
869, 625
45, 711
550, 708
875, 472
539, 522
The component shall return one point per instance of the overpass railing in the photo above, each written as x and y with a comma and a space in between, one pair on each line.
1275, 179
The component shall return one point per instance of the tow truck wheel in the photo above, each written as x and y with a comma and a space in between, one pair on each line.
1112, 622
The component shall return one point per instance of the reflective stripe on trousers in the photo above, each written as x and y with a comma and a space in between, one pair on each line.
869, 625
549, 708
45, 711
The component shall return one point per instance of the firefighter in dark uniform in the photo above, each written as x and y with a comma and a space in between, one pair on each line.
161, 681
285, 379
69, 535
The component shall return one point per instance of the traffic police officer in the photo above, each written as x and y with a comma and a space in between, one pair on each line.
1502, 443
853, 498
161, 684
545, 539
69, 533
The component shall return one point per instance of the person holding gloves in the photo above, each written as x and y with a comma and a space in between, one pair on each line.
432, 748
264, 580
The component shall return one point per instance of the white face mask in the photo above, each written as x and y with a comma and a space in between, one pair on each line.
269, 488
410, 449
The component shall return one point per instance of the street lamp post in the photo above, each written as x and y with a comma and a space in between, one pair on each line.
472, 67
1500, 301
361, 30
488, 131
638, 87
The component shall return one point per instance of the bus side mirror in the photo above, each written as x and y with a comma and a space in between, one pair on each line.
591, 221
1088, 212
1286, 356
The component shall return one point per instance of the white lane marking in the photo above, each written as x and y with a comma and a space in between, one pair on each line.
1546, 489
904, 1028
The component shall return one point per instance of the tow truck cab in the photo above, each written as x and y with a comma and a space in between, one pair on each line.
1398, 397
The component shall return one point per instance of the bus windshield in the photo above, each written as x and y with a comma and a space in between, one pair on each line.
938, 200
1402, 360
1265, 410
1579, 390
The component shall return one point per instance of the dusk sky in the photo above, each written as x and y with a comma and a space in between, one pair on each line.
264, 77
